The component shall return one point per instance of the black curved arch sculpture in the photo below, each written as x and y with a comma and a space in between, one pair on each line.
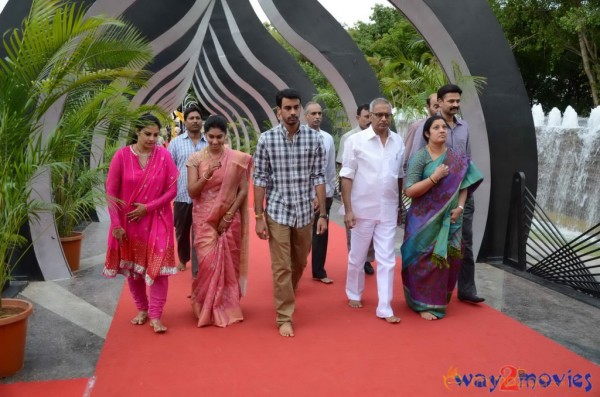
318, 36
220, 48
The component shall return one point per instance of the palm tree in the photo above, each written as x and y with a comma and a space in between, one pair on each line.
408, 82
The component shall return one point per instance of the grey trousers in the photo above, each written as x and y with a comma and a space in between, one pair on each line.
466, 277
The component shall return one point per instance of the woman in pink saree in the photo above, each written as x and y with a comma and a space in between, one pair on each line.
218, 184
141, 183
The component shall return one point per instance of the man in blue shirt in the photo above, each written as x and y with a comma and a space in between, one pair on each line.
181, 148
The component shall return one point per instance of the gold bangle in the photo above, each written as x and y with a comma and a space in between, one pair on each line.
433, 180
228, 221
258, 215
205, 178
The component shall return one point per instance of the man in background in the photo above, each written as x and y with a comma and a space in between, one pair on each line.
181, 148
314, 117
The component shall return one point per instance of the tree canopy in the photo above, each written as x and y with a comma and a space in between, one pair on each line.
403, 63
555, 44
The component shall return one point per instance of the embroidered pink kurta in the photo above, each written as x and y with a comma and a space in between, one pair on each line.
148, 247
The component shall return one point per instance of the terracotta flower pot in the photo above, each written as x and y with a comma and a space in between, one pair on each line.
72, 248
13, 334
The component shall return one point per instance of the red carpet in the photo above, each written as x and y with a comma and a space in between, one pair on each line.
337, 351
52, 388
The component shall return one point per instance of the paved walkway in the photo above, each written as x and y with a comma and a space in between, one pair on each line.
71, 317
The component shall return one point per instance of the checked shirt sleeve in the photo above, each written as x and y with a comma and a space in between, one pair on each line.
261, 163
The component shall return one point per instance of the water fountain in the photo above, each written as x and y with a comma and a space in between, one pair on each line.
538, 115
569, 119
569, 167
554, 118
593, 124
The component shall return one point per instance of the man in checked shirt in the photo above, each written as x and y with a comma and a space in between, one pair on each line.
289, 163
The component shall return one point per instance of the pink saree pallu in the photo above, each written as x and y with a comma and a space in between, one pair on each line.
148, 247
222, 259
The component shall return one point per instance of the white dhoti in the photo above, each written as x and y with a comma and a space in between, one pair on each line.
383, 235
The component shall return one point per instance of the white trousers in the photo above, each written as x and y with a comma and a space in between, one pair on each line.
383, 235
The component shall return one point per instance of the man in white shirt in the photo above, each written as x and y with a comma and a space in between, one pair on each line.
362, 117
371, 184
314, 116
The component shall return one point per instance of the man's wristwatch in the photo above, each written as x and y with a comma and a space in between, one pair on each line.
258, 215
324, 216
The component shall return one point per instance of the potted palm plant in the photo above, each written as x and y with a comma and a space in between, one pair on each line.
14, 211
77, 193
76, 186
57, 53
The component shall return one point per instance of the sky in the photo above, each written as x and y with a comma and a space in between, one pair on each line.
346, 12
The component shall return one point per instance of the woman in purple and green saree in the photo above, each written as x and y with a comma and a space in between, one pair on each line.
438, 181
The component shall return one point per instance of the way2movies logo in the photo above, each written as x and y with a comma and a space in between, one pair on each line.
511, 378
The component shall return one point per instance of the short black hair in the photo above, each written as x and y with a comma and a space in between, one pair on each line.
192, 108
428, 124
147, 119
216, 121
448, 88
364, 106
288, 93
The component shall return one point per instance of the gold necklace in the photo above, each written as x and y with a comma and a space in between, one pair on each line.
220, 155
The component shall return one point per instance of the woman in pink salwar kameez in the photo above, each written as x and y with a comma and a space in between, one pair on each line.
141, 183
218, 184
